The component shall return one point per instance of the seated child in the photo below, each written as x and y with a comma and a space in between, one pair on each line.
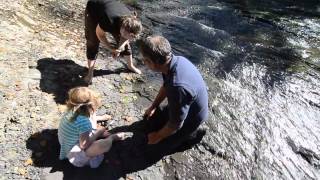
78, 133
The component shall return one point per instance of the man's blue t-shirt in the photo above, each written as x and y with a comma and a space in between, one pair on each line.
186, 92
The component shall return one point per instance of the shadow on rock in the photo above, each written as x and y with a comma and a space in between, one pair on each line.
45, 147
124, 157
58, 76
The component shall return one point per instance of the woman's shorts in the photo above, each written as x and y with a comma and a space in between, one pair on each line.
78, 158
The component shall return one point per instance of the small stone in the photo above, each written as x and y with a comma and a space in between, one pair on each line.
178, 157
34, 74
2, 164
32, 115
2, 49
18, 86
167, 160
26, 19
134, 97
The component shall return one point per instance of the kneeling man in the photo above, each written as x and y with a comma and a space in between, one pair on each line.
185, 90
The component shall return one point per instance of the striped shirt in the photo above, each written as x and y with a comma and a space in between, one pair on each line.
69, 132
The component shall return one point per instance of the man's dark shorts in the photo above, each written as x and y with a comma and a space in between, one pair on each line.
93, 41
166, 146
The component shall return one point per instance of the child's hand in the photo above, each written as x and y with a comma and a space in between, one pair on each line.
101, 128
103, 117
115, 53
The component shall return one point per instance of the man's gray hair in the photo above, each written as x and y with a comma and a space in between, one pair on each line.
156, 48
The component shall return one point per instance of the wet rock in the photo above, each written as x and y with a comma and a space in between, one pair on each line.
178, 157
307, 154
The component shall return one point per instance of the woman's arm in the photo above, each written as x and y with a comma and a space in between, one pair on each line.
122, 45
102, 37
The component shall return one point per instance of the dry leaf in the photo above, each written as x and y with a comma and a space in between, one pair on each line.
2, 49
129, 78
62, 108
35, 135
28, 162
10, 95
33, 115
18, 87
22, 171
128, 118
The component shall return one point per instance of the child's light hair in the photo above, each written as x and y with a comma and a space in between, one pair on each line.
132, 24
82, 101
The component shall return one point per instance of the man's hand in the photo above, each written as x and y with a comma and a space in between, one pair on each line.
115, 53
149, 112
100, 130
154, 138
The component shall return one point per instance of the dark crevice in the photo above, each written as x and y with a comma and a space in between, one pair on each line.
308, 155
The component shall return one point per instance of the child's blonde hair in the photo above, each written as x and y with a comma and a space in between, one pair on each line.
82, 101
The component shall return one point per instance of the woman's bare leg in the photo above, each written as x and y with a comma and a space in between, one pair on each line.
88, 78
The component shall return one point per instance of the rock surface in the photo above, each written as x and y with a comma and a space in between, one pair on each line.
262, 73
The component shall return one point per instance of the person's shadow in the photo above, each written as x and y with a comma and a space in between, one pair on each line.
124, 157
59, 76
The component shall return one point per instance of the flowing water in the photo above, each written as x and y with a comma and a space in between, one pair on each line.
260, 60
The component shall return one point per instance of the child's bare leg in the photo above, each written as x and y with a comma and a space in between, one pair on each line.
130, 64
103, 145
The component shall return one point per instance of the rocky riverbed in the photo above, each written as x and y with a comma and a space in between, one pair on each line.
261, 66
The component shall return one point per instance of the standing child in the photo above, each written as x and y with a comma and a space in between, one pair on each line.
77, 135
